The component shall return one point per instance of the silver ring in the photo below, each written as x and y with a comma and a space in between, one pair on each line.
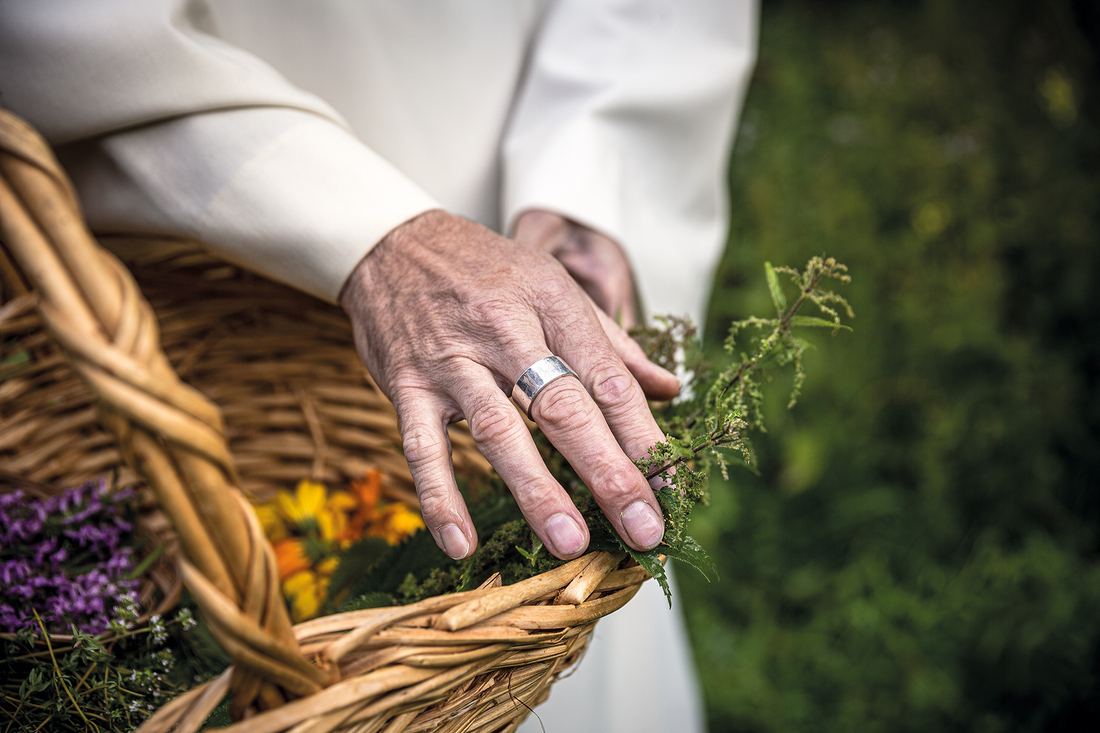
534, 380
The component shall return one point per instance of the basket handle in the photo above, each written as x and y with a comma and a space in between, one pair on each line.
166, 430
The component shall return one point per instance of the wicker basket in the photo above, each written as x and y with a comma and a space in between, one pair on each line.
295, 401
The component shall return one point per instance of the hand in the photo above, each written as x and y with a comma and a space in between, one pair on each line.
447, 315
596, 262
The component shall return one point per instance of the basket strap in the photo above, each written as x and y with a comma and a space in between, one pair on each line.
166, 430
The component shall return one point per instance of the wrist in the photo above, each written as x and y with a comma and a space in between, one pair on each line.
414, 228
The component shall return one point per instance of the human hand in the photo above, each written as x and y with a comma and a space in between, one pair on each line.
595, 261
447, 315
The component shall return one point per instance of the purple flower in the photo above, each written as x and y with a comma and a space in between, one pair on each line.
46, 548
67, 556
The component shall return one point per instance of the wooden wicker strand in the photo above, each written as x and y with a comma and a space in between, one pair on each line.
173, 434
472, 661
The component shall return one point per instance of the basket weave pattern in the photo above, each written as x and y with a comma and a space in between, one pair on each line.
296, 402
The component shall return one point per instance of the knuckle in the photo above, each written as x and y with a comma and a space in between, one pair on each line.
563, 404
406, 385
491, 422
436, 505
533, 495
613, 387
559, 288
557, 293
497, 315
538, 506
423, 446
616, 483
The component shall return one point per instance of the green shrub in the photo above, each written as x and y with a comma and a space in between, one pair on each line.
920, 548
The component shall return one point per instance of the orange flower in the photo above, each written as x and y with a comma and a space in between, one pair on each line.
369, 491
290, 556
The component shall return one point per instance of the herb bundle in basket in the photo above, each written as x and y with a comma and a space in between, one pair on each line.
473, 653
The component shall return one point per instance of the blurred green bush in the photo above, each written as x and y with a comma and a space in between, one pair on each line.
920, 548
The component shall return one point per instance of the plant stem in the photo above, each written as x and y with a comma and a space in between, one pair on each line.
60, 676
784, 325
80, 683
14, 716
715, 438
786, 322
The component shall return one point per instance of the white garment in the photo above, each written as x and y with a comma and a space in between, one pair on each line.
615, 113
291, 136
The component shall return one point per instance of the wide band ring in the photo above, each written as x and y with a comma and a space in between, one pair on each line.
534, 380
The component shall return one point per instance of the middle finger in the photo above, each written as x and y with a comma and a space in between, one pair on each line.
504, 439
582, 429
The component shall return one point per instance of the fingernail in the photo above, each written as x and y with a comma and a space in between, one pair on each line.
454, 541
566, 535
643, 525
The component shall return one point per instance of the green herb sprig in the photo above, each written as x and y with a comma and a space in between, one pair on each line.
710, 424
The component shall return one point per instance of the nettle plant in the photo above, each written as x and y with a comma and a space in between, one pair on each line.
706, 429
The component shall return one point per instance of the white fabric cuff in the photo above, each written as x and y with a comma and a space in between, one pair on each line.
285, 193
308, 208
575, 172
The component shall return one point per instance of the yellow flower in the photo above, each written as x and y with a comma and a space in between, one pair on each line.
394, 522
309, 529
328, 566
305, 591
333, 519
303, 508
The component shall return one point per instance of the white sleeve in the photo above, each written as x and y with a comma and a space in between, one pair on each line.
166, 128
625, 123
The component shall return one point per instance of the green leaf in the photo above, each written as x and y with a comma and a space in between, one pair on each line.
369, 600
147, 563
356, 562
416, 554
15, 365
803, 344
32, 683
815, 322
531, 556
778, 298
692, 553
219, 716
650, 560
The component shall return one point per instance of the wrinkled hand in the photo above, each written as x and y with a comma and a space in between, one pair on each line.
595, 261
447, 315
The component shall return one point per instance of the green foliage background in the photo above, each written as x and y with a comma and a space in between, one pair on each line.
920, 549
